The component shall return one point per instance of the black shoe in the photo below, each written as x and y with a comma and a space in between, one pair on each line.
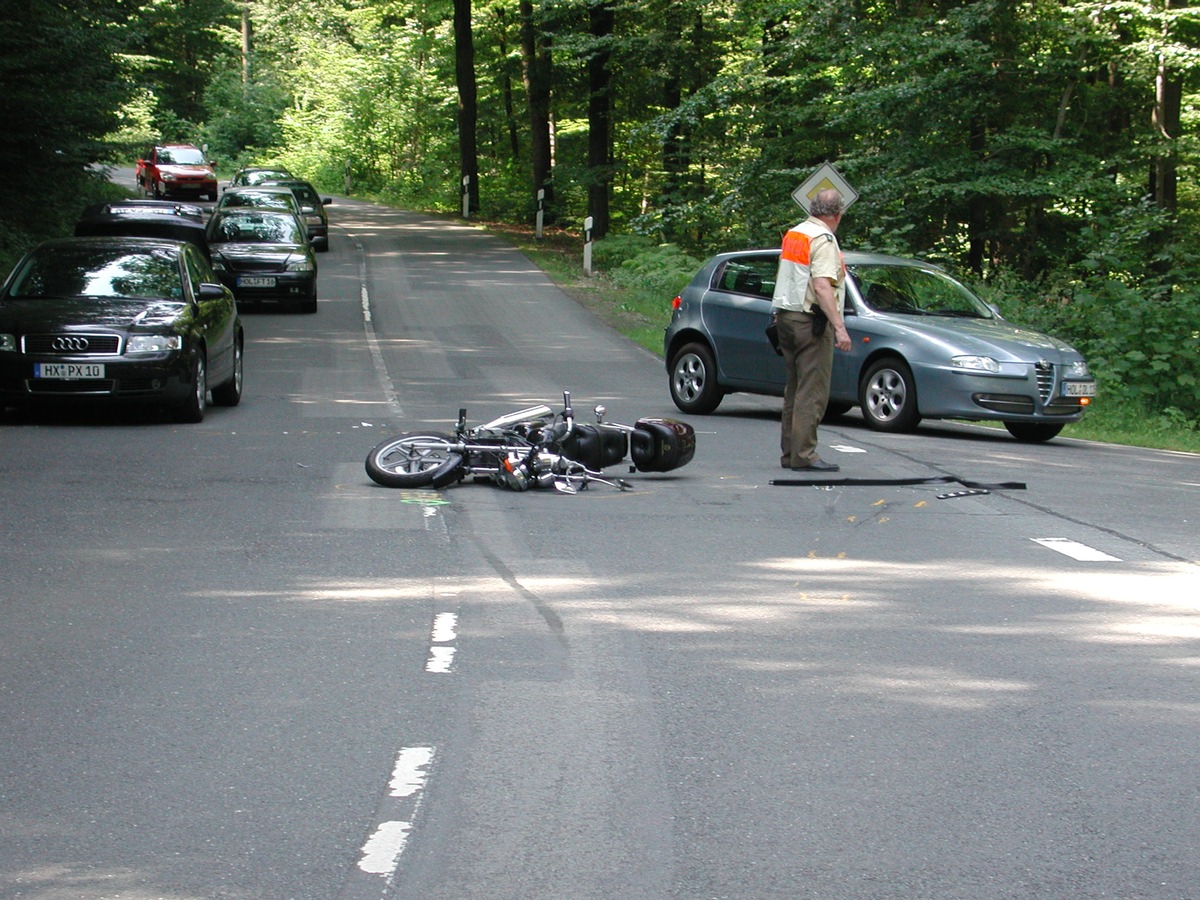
818, 465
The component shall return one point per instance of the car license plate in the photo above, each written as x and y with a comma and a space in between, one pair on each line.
256, 281
68, 371
1079, 389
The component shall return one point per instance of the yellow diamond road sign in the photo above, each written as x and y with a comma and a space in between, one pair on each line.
824, 178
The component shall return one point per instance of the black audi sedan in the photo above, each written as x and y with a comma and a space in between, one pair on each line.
108, 319
264, 255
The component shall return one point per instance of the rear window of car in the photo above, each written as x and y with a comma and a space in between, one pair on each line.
100, 273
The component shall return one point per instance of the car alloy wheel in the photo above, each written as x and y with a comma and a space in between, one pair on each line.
694, 385
888, 396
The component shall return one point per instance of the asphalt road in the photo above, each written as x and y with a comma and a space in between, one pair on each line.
233, 667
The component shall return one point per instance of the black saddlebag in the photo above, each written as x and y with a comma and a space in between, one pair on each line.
660, 445
595, 446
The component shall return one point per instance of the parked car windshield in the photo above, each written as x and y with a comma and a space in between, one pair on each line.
181, 156
263, 227
102, 273
915, 291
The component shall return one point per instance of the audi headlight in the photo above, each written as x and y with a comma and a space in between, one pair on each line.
8, 343
153, 343
304, 264
976, 363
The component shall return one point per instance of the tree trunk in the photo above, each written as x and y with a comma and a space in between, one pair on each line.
468, 112
247, 44
601, 18
535, 52
1168, 96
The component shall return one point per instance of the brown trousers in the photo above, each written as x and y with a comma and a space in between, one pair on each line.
809, 364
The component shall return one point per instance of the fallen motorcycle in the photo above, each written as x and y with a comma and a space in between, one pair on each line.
532, 447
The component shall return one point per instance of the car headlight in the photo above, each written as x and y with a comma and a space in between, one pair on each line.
1078, 369
153, 343
304, 264
976, 363
169, 176
8, 343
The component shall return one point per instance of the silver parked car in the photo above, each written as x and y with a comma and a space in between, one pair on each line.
923, 346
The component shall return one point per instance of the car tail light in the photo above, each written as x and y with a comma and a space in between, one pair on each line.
677, 302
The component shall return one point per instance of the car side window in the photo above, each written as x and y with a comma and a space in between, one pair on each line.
195, 271
750, 275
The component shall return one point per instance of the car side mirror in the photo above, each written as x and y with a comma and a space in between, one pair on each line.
211, 292
325, 201
319, 242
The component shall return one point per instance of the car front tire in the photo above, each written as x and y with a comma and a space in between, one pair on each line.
694, 385
888, 396
193, 408
230, 393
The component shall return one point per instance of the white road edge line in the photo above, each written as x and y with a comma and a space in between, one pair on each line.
381, 374
1075, 550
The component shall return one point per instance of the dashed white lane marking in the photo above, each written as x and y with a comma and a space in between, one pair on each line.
442, 649
846, 448
382, 851
1075, 550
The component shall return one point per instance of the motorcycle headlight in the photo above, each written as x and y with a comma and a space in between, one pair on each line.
976, 363
153, 343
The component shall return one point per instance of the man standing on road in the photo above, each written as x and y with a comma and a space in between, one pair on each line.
810, 288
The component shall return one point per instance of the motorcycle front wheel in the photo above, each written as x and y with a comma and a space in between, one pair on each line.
416, 459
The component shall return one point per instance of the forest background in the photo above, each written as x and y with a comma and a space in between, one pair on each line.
1045, 152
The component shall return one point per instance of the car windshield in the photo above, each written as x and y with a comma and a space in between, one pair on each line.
258, 229
910, 290
247, 197
102, 273
264, 175
181, 156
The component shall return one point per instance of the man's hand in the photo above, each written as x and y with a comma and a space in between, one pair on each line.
841, 337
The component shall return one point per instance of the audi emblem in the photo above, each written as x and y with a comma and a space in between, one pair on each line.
69, 344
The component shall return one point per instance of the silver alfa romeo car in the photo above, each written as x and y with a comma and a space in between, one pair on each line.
924, 346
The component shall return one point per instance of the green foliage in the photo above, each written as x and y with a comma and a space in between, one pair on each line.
1139, 330
633, 261
245, 115
61, 76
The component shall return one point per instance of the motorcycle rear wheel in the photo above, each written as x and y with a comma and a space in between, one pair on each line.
401, 462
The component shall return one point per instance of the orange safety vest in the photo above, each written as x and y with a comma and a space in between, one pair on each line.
795, 272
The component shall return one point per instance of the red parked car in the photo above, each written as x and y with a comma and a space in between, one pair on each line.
176, 169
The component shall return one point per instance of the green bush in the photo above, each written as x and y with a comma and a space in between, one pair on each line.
637, 262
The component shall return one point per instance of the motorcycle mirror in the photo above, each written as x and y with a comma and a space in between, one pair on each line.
601, 412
